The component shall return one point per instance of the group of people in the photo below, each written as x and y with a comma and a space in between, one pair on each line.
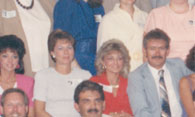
118, 64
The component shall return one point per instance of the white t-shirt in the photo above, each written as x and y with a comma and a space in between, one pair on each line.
57, 90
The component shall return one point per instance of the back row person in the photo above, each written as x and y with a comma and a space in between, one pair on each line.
177, 19
153, 88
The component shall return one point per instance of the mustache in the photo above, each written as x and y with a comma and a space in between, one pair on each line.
157, 57
93, 110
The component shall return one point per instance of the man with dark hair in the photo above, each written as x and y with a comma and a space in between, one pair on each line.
153, 87
14, 103
89, 99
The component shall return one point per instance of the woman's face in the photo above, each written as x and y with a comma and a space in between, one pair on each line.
113, 62
8, 60
63, 52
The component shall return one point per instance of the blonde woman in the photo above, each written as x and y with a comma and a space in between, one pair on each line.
112, 64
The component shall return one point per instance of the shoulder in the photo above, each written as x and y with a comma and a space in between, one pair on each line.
95, 78
139, 70
175, 61
159, 9
63, 4
81, 72
44, 73
23, 78
140, 12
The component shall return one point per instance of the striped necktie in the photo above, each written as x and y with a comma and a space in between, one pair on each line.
163, 96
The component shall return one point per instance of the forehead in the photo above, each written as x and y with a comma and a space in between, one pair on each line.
63, 41
13, 96
156, 42
8, 50
89, 94
113, 52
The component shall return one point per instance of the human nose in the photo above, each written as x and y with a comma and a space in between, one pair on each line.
93, 104
15, 108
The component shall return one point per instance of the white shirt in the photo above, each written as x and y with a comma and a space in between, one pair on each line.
176, 110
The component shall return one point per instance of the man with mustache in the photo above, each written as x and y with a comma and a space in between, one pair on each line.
14, 103
153, 88
89, 99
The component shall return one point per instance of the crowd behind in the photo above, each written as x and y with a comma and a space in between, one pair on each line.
95, 58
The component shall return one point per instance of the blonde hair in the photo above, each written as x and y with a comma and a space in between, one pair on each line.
108, 46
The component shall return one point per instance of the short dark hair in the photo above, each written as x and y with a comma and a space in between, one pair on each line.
190, 60
15, 44
14, 90
156, 34
88, 86
56, 35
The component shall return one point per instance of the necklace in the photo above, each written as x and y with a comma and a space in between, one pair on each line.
26, 7
114, 86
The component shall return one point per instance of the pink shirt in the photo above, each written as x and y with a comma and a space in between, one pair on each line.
26, 84
179, 27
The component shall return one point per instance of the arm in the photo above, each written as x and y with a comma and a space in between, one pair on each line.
31, 112
40, 109
186, 97
137, 96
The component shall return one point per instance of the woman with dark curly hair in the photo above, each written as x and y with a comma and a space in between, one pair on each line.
187, 86
11, 66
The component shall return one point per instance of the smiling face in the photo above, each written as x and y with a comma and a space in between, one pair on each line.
8, 60
90, 104
63, 52
113, 62
156, 52
14, 106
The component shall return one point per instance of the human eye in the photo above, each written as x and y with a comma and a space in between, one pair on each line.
85, 101
152, 48
4, 55
15, 56
98, 100
70, 47
59, 47
162, 48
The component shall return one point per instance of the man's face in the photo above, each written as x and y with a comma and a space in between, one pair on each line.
90, 104
156, 53
14, 106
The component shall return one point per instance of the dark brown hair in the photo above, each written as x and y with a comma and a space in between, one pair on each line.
58, 35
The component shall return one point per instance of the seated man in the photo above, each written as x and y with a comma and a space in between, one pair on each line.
89, 99
153, 88
14, 103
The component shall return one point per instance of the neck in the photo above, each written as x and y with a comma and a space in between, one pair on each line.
63, 69
179, 7
128, 8
113, 78
7, 76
